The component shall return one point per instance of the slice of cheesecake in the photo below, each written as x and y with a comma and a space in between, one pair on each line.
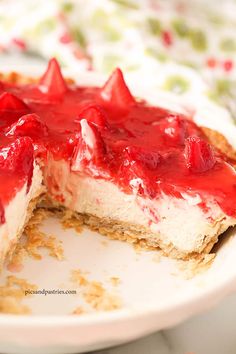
20, 190
130, 170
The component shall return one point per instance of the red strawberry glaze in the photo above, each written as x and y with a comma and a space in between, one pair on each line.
140, 148
2, 214
16, 168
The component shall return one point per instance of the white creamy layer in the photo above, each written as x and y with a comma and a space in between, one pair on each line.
177, 222
16, 213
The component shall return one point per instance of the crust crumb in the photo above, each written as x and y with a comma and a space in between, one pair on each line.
69, 220
78, 278
99, 299
16, 261
78, 311
36, 239
33, 240
115, 281
12, 294
9, 305
94, 293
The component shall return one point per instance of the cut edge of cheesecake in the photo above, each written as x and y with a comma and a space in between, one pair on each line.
138, 236
116, 229
25, 208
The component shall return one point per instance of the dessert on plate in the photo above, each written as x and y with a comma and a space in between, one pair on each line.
128, 169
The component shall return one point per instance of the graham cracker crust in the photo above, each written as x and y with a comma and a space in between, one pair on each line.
12, 293
136, 235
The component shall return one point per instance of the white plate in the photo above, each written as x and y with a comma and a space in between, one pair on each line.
155, 295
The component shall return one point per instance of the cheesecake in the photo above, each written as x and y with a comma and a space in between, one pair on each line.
20, 190
128, 169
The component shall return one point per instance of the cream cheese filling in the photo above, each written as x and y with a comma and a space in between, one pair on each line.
178, 222
16, 213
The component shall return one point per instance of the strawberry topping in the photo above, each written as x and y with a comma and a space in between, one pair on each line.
10, 102
105, 133
28, 125
174, 127
94, 114
2, 213
199, 155
137, 161
116, 93
18, 156
148, 159
52, 82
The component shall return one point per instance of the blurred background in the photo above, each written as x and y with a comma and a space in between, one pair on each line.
140, 36
180, 46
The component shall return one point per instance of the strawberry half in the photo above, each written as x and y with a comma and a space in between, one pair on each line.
94, 114
28, 125
137, 163
10, 102
52, 82
90, 151
2, 214
19, 156
199, 155
116, 93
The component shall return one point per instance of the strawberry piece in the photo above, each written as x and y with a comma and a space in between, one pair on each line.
95, 115
90, 151
136, 162
199, 155
19, 157
149, 159
67, 148
52, 82
28, 125
10, 102
2, 213
116, 93
174, 127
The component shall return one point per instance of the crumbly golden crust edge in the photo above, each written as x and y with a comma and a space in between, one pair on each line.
138, 236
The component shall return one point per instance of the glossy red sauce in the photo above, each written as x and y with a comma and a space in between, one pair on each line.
142, 149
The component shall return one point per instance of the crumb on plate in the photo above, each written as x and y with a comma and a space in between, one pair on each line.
94, 292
